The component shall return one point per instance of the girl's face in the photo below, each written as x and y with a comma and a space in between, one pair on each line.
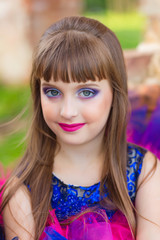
76, 112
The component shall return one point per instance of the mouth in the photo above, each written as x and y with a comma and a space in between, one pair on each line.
71, 127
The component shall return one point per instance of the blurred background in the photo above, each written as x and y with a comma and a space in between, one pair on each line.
137, 26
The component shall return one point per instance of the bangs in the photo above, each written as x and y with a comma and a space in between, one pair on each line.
73, 56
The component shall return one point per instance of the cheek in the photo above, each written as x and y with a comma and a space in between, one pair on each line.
98, 110
49, 112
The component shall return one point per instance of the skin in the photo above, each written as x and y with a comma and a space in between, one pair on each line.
72, 105
148, 200
81, 150
17, 216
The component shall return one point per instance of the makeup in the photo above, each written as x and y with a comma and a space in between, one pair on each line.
83, 93
71, 127
86, 93
52, 92
75, 112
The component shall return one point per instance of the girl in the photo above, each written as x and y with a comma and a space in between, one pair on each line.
79, 179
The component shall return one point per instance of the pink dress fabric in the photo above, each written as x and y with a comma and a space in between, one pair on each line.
89, 226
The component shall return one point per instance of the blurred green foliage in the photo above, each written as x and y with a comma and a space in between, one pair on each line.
13, 100
129, 27
113, 5
11, 147
95, 5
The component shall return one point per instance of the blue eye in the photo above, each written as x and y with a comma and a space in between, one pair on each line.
52, 93
87, 93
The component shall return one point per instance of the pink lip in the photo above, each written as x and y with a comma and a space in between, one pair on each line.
71, 127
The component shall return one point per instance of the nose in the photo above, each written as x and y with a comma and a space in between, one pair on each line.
69, 109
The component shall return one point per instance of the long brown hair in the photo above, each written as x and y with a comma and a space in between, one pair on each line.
76, 49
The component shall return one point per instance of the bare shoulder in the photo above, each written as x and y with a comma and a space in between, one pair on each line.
148, 199
20, 199
17, 215
150, 167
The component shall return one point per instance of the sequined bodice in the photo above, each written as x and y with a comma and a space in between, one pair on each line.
68, 200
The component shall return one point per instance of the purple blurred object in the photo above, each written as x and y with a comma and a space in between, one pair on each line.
142, 130
151, 138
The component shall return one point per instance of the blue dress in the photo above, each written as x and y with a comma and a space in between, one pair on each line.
69, 200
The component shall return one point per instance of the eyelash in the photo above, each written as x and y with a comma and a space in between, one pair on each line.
92, 92
49, 92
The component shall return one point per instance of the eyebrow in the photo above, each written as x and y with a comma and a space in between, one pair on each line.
78, 86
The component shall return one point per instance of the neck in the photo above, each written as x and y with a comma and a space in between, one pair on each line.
74, 161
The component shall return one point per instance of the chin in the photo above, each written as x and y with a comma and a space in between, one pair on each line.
72, 140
